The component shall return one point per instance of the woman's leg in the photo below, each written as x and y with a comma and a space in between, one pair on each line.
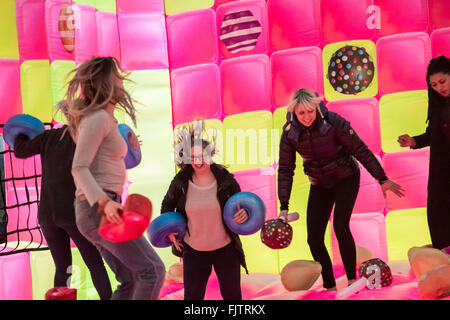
320, 204
228, 269
197, 267
345, 197
58, 242
92, 259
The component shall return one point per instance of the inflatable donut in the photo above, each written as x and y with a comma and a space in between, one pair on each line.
255, 208
21, 124
165, 224
134, 155
136, 218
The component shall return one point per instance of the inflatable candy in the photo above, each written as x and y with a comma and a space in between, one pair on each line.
61, 293
350, 70
21, 124
373, 274
136, 218
134, 155
435, 284
423, 260
165, 224
276, 234
300, 274
255, 208
66, 27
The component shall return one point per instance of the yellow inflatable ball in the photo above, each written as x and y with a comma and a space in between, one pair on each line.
435, 284
423, 260
175, 272
300, 274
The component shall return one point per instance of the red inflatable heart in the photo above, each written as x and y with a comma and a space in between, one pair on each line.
61, 293
136, 218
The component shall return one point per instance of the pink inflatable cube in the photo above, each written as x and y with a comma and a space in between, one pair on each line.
86, 43
347, 20
30, 18
439, 13
107, 34
293, 69
402, 62
294, 23
242, 28
140, 6
401, 16
370, 197
15, 272
260, 181
195, 93
10, 89
364, 117
369, 231
192, 38
143, 41
440, 42
410, 170
246, 84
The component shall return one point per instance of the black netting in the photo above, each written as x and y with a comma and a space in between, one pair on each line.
19, 199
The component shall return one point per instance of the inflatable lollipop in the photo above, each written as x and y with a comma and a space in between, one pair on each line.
373, 273
136, 216
277, 233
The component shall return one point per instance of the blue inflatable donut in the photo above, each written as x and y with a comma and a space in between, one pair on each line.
255, 208
21, 124
134, 155
165, 224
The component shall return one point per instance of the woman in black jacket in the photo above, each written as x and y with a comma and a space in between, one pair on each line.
56, 212
199, 192
328, 146
437, 137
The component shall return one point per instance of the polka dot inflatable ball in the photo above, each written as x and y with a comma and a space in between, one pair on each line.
276, 234
350, 70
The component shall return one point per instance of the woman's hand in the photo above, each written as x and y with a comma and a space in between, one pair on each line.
177, 243
112, 211
241, 215
392, 186
283, 215
406, 141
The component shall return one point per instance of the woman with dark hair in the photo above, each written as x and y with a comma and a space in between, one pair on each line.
99, 173
437, 137
199, 192
329, 147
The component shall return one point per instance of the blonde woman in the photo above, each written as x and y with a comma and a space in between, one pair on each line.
329, 148
99, 173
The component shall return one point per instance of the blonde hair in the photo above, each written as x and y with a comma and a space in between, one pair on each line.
93, 87
190, 135
305, 98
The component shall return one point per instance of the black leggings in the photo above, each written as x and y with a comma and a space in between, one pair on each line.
197, 267
320, 204
58, 236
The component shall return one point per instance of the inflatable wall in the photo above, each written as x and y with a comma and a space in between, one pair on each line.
235, 64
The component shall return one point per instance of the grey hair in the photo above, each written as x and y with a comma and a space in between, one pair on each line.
305, 98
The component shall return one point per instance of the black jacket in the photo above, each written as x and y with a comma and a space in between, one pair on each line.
175, 198
57, 185
328, 148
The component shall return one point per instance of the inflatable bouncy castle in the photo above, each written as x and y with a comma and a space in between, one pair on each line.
234, 64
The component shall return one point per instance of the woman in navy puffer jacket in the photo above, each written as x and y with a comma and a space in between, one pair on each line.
329, 148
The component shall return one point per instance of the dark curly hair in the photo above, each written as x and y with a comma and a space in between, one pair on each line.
436, 65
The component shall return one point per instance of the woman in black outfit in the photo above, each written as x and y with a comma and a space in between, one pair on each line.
328, 146
56, 213
199, 192
437, 137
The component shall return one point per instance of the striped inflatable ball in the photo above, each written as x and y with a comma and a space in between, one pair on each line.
66, 27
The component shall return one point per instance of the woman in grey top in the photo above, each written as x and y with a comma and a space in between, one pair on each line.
99, 173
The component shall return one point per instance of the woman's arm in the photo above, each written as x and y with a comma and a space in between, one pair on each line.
286, 167
169, 202
25, 148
